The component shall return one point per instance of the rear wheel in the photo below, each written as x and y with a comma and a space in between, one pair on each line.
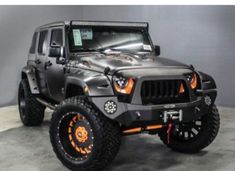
193, 136
31, 111
82, 138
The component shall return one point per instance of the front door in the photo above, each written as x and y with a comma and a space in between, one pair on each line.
41, 54
55, 71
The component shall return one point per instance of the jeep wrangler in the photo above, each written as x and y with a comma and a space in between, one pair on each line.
104, 80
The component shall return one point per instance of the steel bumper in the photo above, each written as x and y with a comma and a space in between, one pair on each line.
128, 114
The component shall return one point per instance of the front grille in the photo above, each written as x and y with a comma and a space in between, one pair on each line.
163, 92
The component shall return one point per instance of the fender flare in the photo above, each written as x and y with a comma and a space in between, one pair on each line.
95, 86
29, 73
76, 83
207, 81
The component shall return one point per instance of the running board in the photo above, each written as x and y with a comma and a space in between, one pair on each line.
45, 103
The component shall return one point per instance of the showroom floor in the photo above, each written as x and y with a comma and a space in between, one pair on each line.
29, 149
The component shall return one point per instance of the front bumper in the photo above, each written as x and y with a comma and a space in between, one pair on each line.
135, 114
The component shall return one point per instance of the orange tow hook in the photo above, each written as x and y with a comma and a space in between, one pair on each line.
169, 132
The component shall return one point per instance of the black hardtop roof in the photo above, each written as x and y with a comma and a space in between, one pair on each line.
95, 23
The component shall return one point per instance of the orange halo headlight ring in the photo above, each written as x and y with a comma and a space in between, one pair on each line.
193, 80
123, 85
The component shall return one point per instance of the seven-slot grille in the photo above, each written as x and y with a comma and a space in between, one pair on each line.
163, 92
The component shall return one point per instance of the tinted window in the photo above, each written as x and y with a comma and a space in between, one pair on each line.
33, 44
56, 37
42, 45
109, 38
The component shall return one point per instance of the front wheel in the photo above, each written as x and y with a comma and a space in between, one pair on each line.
82, 137
193, 136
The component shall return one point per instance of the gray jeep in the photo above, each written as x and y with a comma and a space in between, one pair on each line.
104, 80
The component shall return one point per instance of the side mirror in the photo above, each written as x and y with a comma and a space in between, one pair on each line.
157, 50
58, 53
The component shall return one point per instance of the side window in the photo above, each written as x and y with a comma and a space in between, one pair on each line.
33, 44
42, 44
56, 38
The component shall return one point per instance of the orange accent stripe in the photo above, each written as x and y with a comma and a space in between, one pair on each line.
87, 151
77, 148
82, 151
134, 130
73, 144
70, 137
74, 118
69, 130
153, 127
181, 88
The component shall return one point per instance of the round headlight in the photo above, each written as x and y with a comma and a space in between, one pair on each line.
121, 82
123, 85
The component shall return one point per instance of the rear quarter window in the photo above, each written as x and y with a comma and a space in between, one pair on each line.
33, 43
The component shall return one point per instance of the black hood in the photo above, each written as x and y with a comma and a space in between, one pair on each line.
124, 61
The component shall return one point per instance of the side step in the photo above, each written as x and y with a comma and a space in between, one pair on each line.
140, 129
45, 103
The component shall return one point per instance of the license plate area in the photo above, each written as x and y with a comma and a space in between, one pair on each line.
172, 115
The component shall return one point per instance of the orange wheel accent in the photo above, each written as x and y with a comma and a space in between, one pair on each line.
81, 134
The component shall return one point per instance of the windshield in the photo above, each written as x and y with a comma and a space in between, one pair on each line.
109, 38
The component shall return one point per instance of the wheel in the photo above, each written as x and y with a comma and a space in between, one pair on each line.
31, 111
82, 137
194, 136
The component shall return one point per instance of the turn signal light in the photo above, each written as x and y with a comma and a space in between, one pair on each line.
182, 90
193, 82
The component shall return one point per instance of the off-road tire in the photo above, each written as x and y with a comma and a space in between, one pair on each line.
31, 111
208, 132
107, 136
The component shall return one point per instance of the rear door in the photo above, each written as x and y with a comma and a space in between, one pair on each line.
41, 54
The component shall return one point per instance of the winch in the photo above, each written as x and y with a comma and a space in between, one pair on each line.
172, 115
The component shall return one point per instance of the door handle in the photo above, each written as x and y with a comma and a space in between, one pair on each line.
37, 61
47, 64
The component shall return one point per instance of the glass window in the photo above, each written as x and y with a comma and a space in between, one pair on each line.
56, 37
109, 38
33, 44
42, 45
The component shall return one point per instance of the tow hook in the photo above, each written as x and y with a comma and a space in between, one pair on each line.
169, 132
